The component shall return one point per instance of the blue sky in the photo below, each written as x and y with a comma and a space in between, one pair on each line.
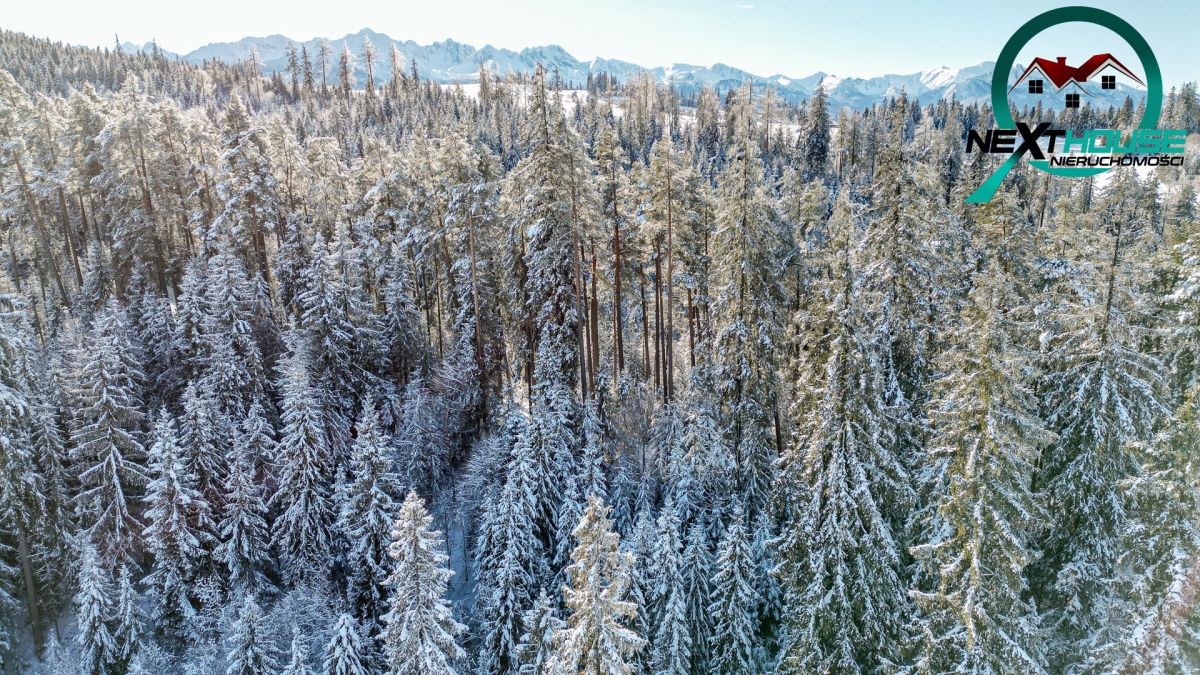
844, 37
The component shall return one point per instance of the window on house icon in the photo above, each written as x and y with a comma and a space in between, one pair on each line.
1072, 100
1108, 81
1035, 86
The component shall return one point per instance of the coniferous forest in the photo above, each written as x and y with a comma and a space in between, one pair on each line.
304, 374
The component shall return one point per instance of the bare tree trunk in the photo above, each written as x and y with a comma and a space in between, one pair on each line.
31, 595
645, 322
594, 313
691, 313
36, 214
69, 237
669, 388
658, 351
618, 324
577, 255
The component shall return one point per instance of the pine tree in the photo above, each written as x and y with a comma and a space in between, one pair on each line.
247, 190
419, 637
345, 655
105, 437
597, 638
250, 650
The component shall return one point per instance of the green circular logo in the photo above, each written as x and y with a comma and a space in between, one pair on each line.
1054, 17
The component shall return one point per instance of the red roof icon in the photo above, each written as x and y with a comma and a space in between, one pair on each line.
1058, 72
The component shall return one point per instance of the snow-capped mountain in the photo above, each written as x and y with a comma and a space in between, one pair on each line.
449, 61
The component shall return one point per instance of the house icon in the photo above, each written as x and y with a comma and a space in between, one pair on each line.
1063, 76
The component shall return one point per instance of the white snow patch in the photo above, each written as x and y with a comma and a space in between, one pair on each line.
936, 78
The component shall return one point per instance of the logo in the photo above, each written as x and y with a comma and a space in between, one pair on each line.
1065, 153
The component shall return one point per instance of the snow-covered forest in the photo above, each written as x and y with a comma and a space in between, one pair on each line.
302, 374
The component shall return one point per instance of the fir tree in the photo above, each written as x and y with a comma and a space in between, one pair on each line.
105, 437
93, 608
536, 649
420, 633
344, 655
300, 533
366, 516
250, 650
734, 600
597, 638
172, 502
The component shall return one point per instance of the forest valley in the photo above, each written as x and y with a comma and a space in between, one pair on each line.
301, 374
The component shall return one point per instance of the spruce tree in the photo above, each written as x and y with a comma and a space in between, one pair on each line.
511, 561
126, 630
1102, 391
696, 573
22, 494
298, 664
747, 249
93, 608
245, 539
536, 649
986, 439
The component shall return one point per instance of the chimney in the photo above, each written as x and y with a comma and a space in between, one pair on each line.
1062, 60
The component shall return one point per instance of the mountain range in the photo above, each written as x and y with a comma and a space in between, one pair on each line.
451, 62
